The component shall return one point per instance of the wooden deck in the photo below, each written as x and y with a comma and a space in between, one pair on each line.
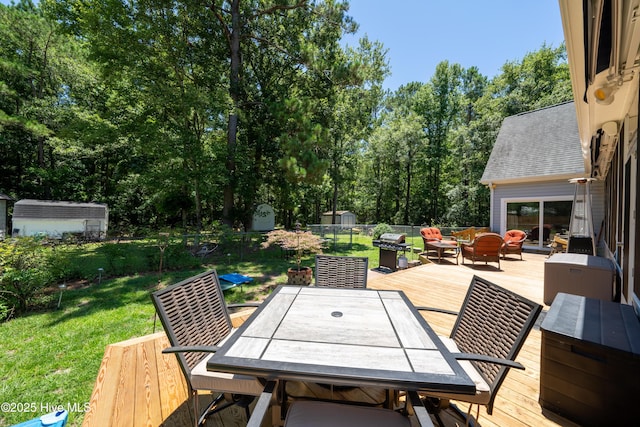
444, 285
137, 385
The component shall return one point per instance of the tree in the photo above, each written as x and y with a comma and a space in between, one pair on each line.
43, 74
439, 103
471, 142
358, 92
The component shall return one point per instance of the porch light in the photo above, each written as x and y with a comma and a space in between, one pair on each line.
605, 95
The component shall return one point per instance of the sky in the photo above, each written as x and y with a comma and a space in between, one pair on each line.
419, 34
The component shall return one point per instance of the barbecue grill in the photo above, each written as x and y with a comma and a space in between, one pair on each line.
389, 245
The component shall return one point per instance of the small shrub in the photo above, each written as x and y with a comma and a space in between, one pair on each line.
300, 242
381, 229
59, 266
23, 272
176, 257
6, 310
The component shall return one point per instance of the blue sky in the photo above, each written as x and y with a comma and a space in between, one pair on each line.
421, 33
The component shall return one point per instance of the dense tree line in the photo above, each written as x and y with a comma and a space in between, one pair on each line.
187, 113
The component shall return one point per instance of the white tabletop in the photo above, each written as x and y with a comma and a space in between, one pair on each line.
342, 336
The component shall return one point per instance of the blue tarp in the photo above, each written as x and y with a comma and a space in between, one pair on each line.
54, 419
232, 280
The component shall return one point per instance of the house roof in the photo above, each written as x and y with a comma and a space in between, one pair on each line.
539, 145
4, 197
39, 209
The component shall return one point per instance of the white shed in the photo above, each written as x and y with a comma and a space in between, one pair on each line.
345, 219
56, 218
264, 218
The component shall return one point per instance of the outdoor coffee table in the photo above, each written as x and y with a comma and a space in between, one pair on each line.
350, 337
441, 247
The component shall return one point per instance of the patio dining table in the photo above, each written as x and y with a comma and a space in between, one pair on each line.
350, 337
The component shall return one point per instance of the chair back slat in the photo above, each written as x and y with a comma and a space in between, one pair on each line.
193, 312
493, 321
341, 271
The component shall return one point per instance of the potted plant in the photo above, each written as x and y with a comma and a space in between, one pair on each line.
300, 242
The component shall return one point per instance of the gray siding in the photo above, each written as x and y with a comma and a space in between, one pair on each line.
542, 191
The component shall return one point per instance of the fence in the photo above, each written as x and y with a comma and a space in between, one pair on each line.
339, 233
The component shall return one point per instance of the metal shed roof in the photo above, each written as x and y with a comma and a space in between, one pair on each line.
49, 209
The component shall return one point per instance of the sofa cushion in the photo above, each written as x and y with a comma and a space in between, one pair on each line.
431, 233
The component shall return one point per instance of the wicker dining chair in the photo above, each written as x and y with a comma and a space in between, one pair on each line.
196, 320
489, 331
341, 271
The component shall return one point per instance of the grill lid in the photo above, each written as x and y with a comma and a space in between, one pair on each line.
392, 238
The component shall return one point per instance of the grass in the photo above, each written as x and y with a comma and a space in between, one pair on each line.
50, 358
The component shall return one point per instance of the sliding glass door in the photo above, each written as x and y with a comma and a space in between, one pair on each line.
540, 219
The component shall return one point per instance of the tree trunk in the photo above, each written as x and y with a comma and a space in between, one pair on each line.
234, 93
334, 201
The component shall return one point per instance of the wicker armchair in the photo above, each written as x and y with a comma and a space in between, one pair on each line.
490, 329
341, 271
485, 247
513, 240
195, 318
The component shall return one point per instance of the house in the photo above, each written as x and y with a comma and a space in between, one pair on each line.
345, 219
535, 155
603, 42
56, 219
3, 214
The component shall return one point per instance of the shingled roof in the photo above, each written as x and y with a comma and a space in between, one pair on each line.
538, 145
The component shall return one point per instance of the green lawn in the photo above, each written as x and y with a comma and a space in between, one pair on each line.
51, 357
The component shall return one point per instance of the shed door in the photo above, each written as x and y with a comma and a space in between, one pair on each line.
92, 229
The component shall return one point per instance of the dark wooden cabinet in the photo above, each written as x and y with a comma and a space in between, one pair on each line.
590, 361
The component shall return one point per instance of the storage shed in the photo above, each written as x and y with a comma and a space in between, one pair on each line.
264, 218
345, 219
57, 218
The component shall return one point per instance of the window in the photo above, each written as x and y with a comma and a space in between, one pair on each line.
525, 216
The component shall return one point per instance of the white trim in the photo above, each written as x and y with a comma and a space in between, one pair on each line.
630, 155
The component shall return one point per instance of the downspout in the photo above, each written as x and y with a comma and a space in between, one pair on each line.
491, 186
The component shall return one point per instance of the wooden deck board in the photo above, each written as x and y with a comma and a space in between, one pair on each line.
137, 386
445, 285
